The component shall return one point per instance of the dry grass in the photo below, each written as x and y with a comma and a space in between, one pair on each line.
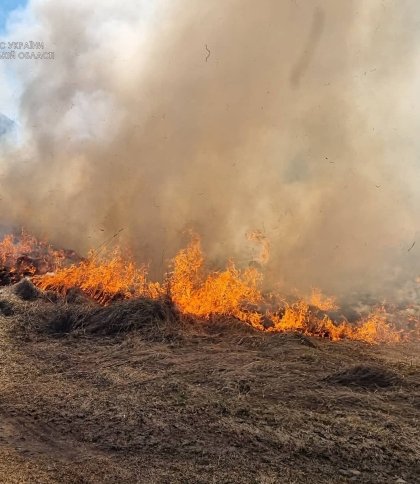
221, 403
26, 290
365, 376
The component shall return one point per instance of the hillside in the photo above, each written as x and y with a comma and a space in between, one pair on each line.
180, 401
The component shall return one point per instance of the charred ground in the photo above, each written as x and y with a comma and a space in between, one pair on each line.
174, 400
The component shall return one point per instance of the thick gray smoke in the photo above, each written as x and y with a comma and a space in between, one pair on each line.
296, 118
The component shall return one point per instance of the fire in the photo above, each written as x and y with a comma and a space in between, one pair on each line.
322, 302
104, 279
26, 255
376, 328
300, 317
195, 290
11, 249
217, 293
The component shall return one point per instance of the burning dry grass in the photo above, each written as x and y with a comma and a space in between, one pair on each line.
178, 392
221, 293
308, 320
232, 293
103, 279
12, 248
24, 255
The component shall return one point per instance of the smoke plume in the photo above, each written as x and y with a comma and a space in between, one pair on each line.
298, 119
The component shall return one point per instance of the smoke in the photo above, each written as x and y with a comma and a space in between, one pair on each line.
297, 119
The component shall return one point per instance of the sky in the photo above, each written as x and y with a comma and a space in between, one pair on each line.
7, 6
10, 87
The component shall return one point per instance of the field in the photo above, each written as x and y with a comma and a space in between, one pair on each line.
134, 394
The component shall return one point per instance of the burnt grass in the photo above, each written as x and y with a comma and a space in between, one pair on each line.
135, 393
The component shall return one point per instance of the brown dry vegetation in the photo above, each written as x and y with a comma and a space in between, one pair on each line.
178, 401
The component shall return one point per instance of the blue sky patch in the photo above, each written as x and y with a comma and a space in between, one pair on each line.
7, 6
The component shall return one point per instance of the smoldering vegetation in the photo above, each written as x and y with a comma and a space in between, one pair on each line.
298, 119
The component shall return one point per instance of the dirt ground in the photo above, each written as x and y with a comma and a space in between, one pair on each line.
218, 403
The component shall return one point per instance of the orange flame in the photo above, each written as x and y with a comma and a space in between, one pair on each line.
299, 317
26, 254
197, 291
103, 279
11, 248
375, 328
218, 293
